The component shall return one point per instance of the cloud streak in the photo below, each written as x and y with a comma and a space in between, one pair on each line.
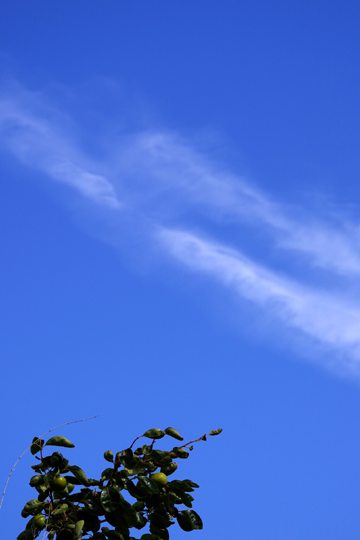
177, 170
33, 140
166, 188
327, 318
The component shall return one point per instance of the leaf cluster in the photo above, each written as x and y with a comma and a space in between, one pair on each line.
71, 506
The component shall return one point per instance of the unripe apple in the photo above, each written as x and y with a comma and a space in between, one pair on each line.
58, 483
160, 478
39, 521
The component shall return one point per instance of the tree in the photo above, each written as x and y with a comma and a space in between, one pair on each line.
71, 506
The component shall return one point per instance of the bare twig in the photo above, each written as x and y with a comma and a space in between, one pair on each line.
43, 435
137, 438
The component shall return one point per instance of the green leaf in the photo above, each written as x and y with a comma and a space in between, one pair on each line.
139, 505
77, 531
45, 463
56, 458
152, 502
180, 452
141, 521
169, 502
184, 522
48, 477
94, 482
163, 458
107, 473
180, 485
110, 499
215, 432
151, 466
148, 485
161, 533
132, 489
34, 506
169, 469
173, 433
64, 465
126, 458
73, 480
60, 509
93, 507
37, 444
116, 519
149, 537
160, 520
32, 503
79, 474
24, 513
43, 495
189, 520
75, 497
137, 470
91, 521
69, 488
154, 433
26, 535
187, 499
191, 483
195, 519
115, 535
130, 516
59, 441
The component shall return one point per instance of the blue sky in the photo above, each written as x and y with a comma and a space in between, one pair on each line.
179, 211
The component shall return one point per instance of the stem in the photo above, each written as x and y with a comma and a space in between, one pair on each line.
43, 435
196, 440
137, 438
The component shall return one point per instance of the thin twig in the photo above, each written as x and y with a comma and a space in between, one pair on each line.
202, 438
137, 438
43, 435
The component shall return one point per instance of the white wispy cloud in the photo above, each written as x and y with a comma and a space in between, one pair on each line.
327, 318
171, 171
38, 144
161, 184
331, 248
168, 168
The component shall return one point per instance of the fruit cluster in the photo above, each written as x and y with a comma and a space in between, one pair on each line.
71, 506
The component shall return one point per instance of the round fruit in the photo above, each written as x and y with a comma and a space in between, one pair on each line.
39, 521
160, 478
36, 480
59, 483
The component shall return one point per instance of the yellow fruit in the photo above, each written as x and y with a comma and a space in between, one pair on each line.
58, 483
160, 478
39, 521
